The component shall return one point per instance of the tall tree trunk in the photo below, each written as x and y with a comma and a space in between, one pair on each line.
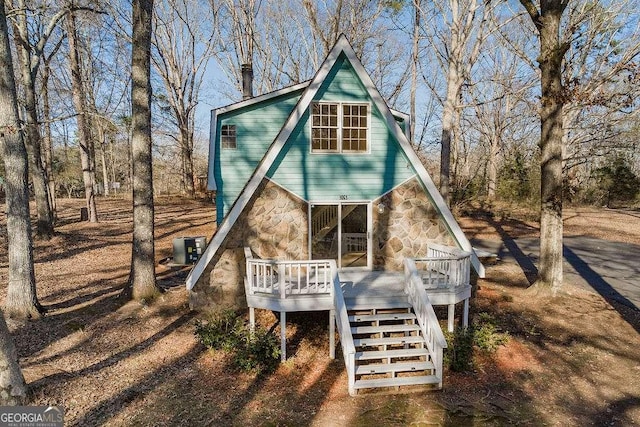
142, 278
414, 67
44, 224
21, 293
46, 140
454, 85
547, 22
86, 143
186, 146
492, 179
105, 174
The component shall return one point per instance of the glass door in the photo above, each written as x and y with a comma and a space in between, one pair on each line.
341, 232
354, 248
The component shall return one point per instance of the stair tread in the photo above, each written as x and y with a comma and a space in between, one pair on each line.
379, 368
383, 354
395, 382
365, 342
381, 316
383, 328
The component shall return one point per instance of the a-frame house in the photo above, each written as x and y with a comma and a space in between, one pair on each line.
324, 170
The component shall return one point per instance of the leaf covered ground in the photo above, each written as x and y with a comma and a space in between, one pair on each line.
571, 360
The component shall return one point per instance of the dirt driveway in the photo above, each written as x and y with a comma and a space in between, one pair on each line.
571, 360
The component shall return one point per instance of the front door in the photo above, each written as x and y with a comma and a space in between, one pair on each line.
341, 232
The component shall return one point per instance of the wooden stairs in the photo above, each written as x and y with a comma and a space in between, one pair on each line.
390, 349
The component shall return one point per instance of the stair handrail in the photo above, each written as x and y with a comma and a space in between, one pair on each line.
344, 328
426, 316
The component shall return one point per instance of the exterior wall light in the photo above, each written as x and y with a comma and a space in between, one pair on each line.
381, 208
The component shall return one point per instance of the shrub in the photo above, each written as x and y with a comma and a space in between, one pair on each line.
462, 342
258, 352
221, 332
251, 352
617, 181
486, 336
459, 353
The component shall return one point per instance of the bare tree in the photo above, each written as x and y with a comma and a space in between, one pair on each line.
142, 278
458, 40
79, 100
21, 299
415, 58
602, 79
183, 42
502, 110
286, 41
47, 140
30, 54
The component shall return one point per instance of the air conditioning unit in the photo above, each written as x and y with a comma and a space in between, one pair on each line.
187, 250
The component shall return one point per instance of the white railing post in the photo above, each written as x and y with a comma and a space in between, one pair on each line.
282, 281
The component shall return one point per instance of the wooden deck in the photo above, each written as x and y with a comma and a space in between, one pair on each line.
442, 278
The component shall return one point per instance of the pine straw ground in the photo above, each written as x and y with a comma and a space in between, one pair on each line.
571, 360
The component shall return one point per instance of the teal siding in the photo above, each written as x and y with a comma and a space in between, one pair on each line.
256, 128
335, 176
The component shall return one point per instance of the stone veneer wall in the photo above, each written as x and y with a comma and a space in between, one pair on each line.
405, 228
273, 225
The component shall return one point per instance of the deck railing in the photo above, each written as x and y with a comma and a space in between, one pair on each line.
444, 267
344, 328
266, 276
425, 315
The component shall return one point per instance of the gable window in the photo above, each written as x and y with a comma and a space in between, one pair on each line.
339, 127
228, 137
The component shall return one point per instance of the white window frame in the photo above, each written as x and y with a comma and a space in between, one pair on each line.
340, 128
235, 137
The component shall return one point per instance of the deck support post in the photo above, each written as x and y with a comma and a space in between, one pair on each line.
452, 310
465, 314
332, 334
283, 336
252, 319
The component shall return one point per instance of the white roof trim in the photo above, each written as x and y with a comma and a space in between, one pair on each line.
211, 179
341, 46
261, 98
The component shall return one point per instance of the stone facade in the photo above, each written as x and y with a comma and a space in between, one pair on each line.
405, 228
274, 225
